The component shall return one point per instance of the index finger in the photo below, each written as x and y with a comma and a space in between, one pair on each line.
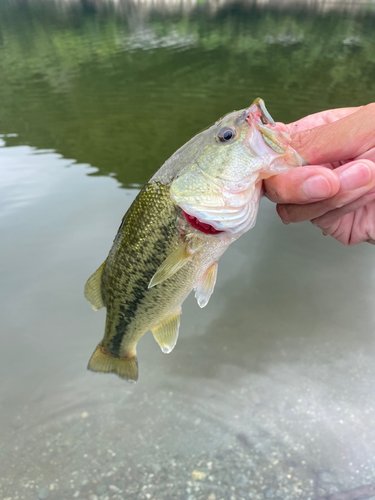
344, 139
317, 119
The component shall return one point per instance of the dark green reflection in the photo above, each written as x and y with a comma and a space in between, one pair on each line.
122, 91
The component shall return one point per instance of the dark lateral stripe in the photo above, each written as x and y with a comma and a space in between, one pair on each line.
139, 289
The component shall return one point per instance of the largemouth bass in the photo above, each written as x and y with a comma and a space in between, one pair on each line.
204, 197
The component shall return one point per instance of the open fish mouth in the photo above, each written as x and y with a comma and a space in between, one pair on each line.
201, 226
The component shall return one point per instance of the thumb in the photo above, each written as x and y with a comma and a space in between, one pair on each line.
343, 139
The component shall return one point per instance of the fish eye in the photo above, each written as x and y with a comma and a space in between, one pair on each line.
226, 134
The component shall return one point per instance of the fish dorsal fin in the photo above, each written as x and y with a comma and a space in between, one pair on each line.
205, 288
173, 263
166, 332
103, 361
93, 289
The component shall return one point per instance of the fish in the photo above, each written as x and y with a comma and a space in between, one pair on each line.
202, 199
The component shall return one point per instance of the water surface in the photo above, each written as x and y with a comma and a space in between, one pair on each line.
269, 392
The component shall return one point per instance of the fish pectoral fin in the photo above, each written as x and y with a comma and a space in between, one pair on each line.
102, 361
173, 263
205, 288
93, 289
166, 332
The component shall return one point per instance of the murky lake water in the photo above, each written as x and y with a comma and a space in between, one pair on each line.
269, 393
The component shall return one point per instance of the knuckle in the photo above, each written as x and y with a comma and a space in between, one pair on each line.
283, 194
276, 189
270, 192
290, 213
282, 212
343, 234
303, 141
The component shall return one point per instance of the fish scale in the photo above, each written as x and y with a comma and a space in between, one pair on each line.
142, 249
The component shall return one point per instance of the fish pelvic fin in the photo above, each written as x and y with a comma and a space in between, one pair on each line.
93, 289
173, 263
205, 288
102, 361
166, 332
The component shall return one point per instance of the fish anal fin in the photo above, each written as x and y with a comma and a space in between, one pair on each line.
166, 332
102, 361
205, 288
93, 289
173, 263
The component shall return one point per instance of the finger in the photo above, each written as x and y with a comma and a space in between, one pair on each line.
341, 230
356, 179
302, 185
343, 139
345, 231
367, 155
317, 119
326, 221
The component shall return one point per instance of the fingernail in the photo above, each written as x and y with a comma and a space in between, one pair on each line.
317, 186
355, 177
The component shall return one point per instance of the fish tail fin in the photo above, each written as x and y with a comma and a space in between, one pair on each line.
102, 361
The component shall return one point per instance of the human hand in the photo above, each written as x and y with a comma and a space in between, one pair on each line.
339, 199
